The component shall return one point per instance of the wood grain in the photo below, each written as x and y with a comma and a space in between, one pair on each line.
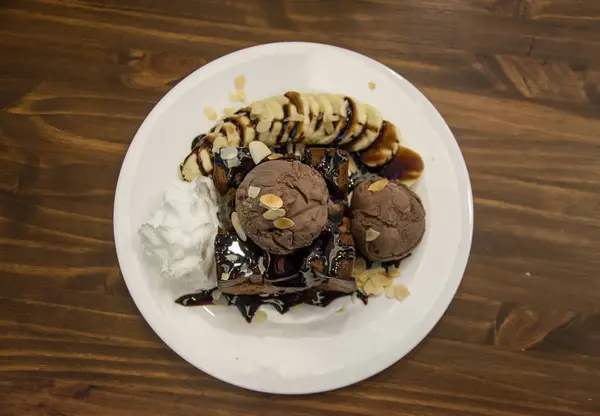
518, 82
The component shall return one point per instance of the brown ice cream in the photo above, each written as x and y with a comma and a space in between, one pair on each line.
304, 195
393, 219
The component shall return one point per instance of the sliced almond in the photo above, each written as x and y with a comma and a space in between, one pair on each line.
378, 290
283, 223
275, 156
232, 163
383, 280
232, 257
239, 82
228, 111
372, 86
297, 117
273, 214
352, 168
265, 113
393, 271
390, 292
370, 288
360, 266
363, 277
372, 234
257, 107
271, 201
210, 113
205, 160
229, 153
230, 129
219, 143
375, 282
299, 149
237, 225
378, 185
360, 284
258, 151
260, 317
340, 310
241, 95
401, 292
234, 96
329, 128
225, 276
233, 137
261, 265
263, 126
253, 191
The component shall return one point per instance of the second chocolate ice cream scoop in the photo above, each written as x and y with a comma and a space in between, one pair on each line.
388, 219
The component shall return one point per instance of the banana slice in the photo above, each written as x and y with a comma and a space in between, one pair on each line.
231, 130
315, 119
199, 162
302, 119
369, 135
326, 109
332, 107
293, 123
286, 124
275, 104
280, 108
358, 122
244, 126
189, 168
345, 120
383, 148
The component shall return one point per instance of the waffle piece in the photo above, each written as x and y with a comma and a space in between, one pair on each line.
332, 163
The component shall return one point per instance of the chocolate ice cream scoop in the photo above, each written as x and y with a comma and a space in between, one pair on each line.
388, 219
282, 205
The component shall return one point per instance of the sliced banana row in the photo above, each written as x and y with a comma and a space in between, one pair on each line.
311, 119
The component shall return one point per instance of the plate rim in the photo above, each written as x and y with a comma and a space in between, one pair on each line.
429, 319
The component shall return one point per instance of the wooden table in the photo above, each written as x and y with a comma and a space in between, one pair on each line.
518, 81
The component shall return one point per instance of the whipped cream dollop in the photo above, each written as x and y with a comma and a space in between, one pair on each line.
180, 235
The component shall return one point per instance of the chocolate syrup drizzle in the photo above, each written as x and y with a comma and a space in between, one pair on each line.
249, 304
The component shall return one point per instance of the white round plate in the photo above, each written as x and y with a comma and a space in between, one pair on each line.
313, 349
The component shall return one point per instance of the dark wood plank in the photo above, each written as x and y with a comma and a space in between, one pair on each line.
518, 82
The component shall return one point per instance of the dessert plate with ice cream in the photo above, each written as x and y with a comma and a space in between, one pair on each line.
293, 218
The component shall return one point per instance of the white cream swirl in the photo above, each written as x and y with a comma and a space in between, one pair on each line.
180, 235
